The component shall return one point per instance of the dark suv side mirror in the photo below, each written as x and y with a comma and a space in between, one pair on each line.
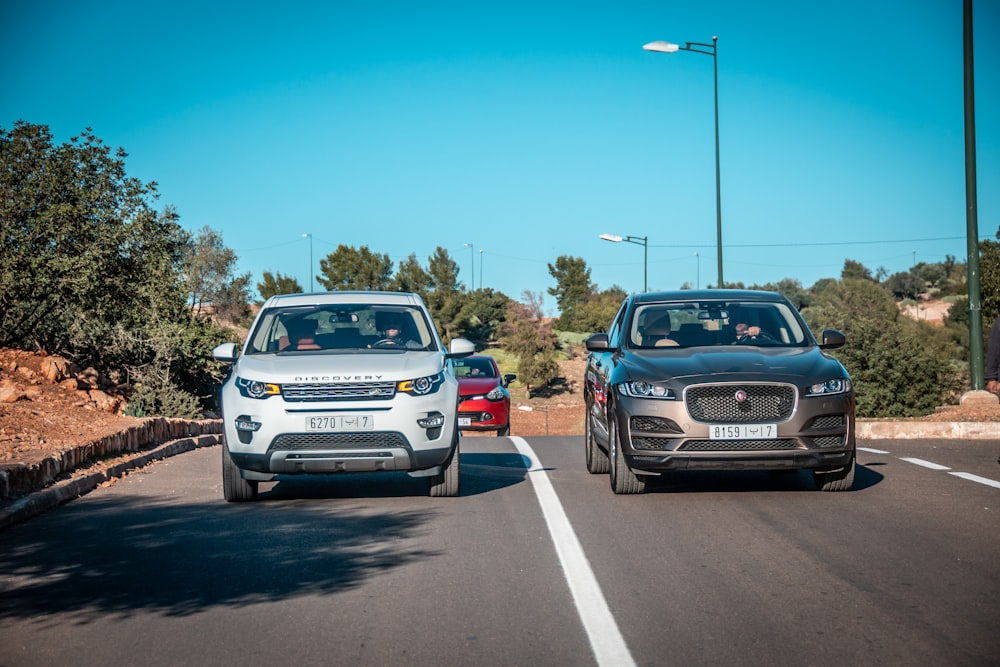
598, 343
832, 339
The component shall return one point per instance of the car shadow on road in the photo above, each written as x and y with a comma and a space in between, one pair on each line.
480, 473
122, 557
711, 481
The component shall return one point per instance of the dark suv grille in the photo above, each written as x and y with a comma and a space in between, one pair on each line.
340, 391
740, 403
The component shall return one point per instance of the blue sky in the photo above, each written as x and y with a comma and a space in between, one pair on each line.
512, 133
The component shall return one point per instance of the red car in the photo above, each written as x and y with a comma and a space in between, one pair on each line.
483, 400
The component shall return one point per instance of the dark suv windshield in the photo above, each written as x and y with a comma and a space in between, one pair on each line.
716, 323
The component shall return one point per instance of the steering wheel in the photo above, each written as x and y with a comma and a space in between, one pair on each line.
387, 342
747, 339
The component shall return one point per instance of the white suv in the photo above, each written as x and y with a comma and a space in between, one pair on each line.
340, 382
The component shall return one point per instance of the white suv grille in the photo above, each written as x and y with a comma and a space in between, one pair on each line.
339, 391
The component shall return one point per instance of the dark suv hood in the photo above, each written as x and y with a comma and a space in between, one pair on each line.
804, 365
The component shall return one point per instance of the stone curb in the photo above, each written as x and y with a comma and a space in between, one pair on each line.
915, 430
33, 504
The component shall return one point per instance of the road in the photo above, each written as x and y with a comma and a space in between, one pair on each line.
526, 568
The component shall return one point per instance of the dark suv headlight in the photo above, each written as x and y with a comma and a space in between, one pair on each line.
643, 389
833, 386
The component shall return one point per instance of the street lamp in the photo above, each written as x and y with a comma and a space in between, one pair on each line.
480, 268
709, 50
543, 408
638, 240
472, 271
697, 258
310, 236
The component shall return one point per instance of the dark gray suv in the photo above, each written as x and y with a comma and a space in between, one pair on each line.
716, 379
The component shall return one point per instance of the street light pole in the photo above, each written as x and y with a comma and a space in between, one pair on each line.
697, 258
310, 260
480, 268
472, 270
638, 240
709, 50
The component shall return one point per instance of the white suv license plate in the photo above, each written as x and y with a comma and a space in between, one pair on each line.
743, 431
329, 423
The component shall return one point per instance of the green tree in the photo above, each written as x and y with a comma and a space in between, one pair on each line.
599, 309
210, 270
989, 280
277, 284
90, 271
526, 334
443, 297
853, 269
791, 289
411, 277
483, 313
347, 268
573, 288
900, 367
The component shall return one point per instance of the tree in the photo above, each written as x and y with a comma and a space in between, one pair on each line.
572, 289
989, 280
411, 277
902, 285
277, 284
70, 221
853, 269
900, 367
526, 335
347, 268
597, 312
90, 271
791, 289
483, 313
443, 297
210, 269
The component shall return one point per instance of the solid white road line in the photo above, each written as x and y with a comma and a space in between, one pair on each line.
605, 638
872, 451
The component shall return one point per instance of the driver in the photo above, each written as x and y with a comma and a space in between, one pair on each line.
744, 329
391, 335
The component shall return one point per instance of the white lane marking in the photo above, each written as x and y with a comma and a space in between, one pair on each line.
605, 638
935, 466
926, 464
976, 478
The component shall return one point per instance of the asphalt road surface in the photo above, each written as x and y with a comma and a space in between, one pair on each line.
537, 563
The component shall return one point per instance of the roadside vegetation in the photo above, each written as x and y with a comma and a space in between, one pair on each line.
92, 271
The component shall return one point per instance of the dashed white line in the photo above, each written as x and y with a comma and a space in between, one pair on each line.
976, 478
926, 464
935, 466
605, 638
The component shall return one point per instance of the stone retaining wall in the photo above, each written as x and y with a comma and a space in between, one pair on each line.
17, 479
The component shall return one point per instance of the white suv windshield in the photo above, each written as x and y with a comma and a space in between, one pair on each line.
332, 327
691, 324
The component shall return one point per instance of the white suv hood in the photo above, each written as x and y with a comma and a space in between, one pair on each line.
319, 367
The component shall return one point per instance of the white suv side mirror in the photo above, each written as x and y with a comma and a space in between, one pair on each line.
461, 347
